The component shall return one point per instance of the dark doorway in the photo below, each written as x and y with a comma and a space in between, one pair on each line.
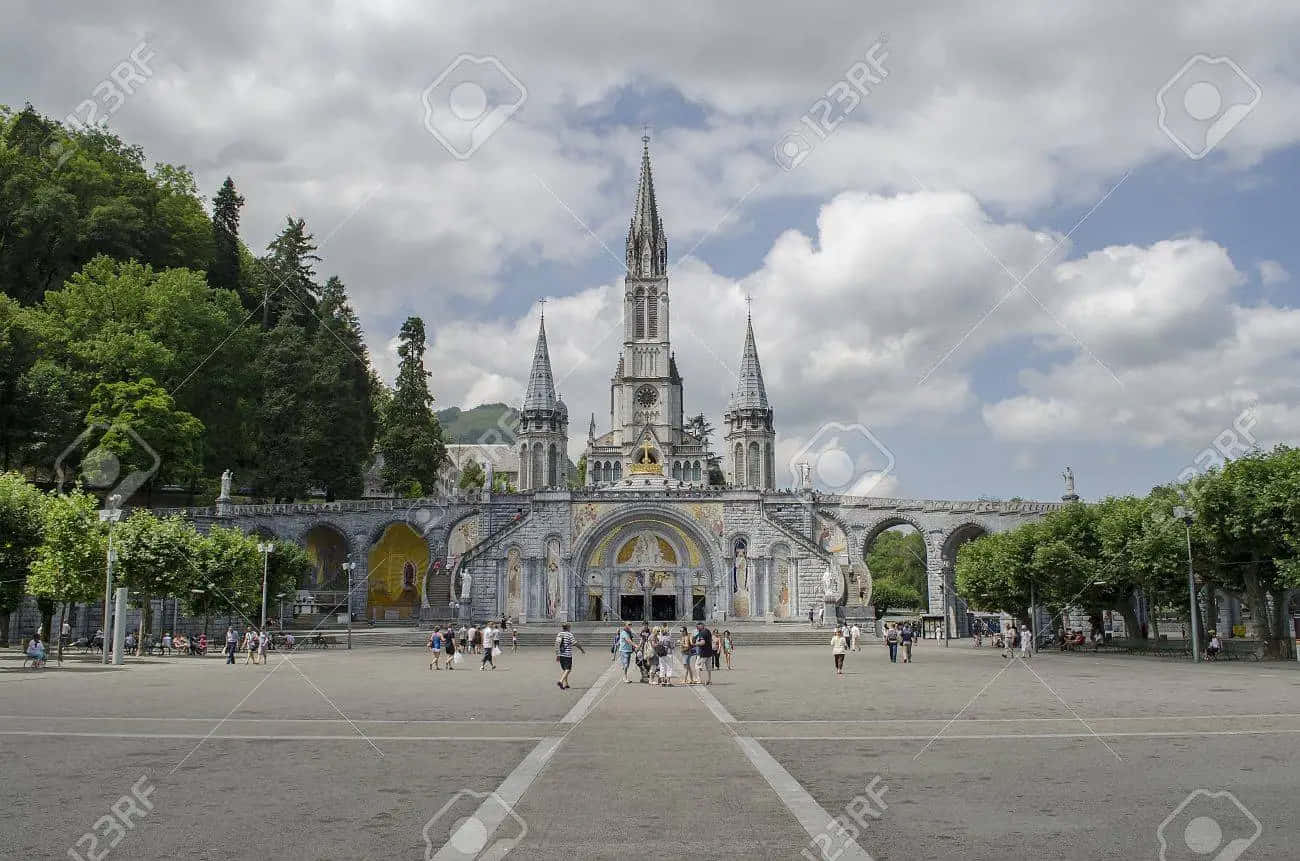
663, 608
697, 608
631, 608
593, 608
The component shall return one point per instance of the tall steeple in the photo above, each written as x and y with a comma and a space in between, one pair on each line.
540, 394
751, 436
543, 439
647, 246
750, 391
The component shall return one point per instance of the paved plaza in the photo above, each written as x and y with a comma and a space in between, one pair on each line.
367, 754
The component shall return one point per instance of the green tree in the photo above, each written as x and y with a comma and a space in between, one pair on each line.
899, 556
144, 410
290, 272
21, 510
227, 258
19, 417
154, 561
287, 435
70, 561
471, 476
411, 438
340, 404
67, 195
889, 594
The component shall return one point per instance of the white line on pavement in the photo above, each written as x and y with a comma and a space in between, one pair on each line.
990, 736
582, 706
270, 719
1032, 720
719, 710
814, 819
253, 737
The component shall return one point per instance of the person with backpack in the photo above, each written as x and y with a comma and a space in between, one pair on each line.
906, 638
892, 638
703, 643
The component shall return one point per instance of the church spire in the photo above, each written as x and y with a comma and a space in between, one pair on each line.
540, 394
750, 391
647, 247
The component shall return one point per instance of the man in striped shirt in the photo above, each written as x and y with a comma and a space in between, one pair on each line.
564, 643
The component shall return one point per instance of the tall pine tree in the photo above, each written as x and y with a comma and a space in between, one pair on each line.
224, 273
286, 431
290, 276
342, 402
411, 439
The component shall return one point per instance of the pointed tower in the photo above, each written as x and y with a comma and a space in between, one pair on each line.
751, 438
543, 438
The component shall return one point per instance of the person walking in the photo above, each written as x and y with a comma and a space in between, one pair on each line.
727, 647
839, 645
564, 643
232, 643
810, 617
688, 652
473, 639
856, 634
906, 637
821, 616
625, 644
1009, 640
435, 649
891, 642
514, 640
1026, 641
703, 643
486, 633
263, 643
717, 649
449, 647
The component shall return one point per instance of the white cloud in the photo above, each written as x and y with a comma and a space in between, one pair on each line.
1271, 272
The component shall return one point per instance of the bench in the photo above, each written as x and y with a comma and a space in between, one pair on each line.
1239, 650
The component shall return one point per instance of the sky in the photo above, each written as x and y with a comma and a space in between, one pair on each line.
980, 243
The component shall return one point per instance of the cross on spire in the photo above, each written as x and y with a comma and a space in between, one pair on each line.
542, 303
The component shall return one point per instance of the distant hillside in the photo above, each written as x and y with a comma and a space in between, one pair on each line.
477, 425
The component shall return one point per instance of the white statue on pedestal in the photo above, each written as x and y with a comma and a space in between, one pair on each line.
1068, 475
831, 588
226, 478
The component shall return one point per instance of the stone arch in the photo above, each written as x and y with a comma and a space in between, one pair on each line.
861, 540
398, 561
328, 546
443, 582
947, 546
958, 536
697, 554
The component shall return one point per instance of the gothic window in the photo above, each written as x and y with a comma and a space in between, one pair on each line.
738, 466
523, 467
677, 470
652, 316
639, 329
618, 470
645, 258
770, 463
538, 477
753, 466
552, 467
695, 471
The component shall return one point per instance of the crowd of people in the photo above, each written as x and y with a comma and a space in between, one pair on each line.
452, 644
253, 644
652, 650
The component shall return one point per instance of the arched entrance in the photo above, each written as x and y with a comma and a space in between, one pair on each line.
398, 563
952, 606
893, 554
328, 550
652, 566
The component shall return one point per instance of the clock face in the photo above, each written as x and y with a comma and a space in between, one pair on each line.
646, 396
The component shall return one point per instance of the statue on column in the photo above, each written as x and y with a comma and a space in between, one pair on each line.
226, 478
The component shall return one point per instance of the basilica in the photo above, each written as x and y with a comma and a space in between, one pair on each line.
662, 528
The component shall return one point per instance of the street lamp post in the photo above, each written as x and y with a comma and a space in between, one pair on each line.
110, 516
281, 597
1186, 515
349, 567
943, 590
265, 548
